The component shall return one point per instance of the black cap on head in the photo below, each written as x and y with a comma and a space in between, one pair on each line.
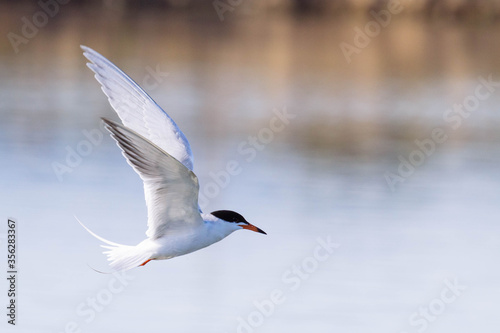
229, 216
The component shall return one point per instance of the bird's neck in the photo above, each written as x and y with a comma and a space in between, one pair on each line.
218, 230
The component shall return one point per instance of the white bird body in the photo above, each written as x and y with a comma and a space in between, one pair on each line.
159, 152
184, 242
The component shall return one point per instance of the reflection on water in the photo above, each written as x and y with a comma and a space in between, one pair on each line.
322, 176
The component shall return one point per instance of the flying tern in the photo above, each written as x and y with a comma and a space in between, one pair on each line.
159, 152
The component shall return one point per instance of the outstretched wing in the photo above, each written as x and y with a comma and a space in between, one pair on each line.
171, 189
137, 110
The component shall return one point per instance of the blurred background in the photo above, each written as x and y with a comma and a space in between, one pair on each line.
369, 124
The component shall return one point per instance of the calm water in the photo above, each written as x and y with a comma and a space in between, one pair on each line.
422, 256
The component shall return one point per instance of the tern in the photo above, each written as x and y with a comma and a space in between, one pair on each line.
158, 151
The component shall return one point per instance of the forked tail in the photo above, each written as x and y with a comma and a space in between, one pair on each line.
122, 257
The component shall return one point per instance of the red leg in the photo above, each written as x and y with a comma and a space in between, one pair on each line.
144, 263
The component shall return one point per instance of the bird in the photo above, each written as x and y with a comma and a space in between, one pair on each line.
158, 151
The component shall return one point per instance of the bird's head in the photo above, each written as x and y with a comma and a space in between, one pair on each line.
237, 219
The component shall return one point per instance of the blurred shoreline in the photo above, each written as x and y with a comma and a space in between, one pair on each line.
230, 75
476, 11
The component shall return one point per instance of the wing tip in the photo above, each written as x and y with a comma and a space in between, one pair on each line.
112, 126
88, 52
107, 120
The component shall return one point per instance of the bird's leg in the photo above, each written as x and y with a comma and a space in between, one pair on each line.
144, 263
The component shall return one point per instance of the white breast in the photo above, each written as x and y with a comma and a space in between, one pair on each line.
187, 241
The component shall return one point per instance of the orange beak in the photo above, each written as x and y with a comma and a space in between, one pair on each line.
253, 228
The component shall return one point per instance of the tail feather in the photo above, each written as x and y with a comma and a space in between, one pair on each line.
121, 257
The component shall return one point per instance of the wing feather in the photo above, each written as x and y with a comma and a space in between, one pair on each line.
171, 189
137, 110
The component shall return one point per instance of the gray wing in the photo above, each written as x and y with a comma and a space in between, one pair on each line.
137, 110
171, 189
